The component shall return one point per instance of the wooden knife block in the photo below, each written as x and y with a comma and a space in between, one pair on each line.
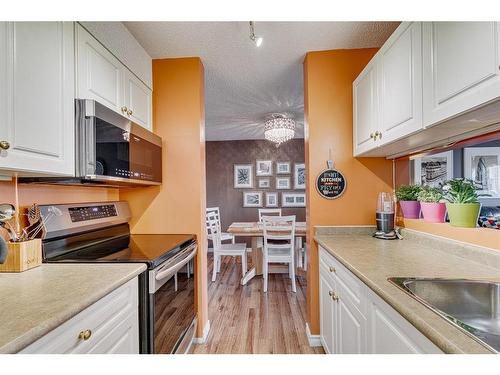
22, 256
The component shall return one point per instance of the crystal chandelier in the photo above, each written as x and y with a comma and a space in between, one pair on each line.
279, 129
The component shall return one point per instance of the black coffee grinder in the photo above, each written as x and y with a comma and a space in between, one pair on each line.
385, 218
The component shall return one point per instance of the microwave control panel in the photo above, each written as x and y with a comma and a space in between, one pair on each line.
92, 212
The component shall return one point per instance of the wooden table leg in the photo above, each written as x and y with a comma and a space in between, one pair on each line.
256, 262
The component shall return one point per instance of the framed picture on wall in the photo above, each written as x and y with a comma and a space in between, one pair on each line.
271, 199
482, 165
252, 199
243, 176
283, 167
264, 167
299, 176
282, 182
293, 199
434, 170
264, 182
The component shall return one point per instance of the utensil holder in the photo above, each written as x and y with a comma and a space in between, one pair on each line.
22, 256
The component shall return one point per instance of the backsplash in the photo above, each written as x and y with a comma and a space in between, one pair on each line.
46, 194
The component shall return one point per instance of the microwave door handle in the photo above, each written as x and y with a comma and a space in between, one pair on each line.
169, 271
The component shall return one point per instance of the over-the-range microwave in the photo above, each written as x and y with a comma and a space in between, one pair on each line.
111, 150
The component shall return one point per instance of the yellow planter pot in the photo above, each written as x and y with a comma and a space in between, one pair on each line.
463, 214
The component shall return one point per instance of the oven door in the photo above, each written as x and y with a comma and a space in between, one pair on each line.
110, 147
172, 310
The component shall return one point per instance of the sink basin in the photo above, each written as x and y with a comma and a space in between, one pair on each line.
471, 305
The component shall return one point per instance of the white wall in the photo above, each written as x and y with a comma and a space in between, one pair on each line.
116, 38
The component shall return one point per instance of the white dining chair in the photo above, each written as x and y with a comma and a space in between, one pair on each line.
228, 249
279, 245
224, 235
269, 212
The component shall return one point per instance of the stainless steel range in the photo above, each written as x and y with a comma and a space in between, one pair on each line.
99, 232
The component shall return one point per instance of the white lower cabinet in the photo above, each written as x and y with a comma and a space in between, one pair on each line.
110, 325
354, 320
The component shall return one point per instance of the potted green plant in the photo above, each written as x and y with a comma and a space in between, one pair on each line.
462, 203
433, 209
407, 197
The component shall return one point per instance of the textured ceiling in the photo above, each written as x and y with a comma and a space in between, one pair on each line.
245, 83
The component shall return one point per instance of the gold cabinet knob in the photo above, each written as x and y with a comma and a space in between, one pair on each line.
85, 335
124, 109
333, 295
378, 134
129, 112
4, 145
332, 269
372, 136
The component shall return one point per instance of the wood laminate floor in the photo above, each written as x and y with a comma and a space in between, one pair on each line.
243, 319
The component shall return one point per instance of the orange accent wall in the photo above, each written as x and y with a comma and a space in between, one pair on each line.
47, 194
178, 205
328, 77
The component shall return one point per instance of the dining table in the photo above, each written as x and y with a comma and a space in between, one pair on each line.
255, 231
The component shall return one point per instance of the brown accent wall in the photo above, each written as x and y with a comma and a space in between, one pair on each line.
178, 205
328, 77
221, 157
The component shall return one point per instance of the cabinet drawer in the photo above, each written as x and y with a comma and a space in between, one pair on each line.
111, 320
352, 287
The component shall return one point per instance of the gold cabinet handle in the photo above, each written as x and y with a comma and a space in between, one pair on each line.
378, 134
332, 269
372, 136
4, 145
85, 335
333, 295
124, 109
129, 112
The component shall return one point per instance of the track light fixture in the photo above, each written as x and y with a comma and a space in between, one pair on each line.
254, 38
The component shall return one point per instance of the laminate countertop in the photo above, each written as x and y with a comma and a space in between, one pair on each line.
34, 302
417, 255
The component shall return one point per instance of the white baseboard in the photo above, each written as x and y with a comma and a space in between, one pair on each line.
206, 331
314, 340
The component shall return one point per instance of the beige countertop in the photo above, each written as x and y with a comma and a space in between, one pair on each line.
417, 255
34, 302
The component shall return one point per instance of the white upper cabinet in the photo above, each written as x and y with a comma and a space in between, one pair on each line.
37, 98
102, 77
461, 67
365, 111
400, 83
99, 72
426, 74
138, 100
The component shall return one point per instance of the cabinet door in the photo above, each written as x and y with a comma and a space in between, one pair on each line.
365, 109
138, 100
327, 312
400, 83
37, 71
460, 67
351, 328
99, 73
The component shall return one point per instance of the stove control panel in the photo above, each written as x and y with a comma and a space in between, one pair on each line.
92, 212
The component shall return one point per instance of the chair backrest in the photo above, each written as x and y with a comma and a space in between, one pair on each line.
213, 229
280, 228
269, 212
216, 211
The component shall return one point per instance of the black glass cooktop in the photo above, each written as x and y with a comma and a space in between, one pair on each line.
115, 244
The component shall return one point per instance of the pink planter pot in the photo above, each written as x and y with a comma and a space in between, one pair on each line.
433, 212
411, 209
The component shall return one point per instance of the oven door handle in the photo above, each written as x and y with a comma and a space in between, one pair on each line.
162, 273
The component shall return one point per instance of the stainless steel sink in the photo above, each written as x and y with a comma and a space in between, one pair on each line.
471, 305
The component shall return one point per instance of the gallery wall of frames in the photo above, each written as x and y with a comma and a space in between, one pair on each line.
245, 175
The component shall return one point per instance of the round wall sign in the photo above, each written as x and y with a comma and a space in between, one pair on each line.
331, 184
